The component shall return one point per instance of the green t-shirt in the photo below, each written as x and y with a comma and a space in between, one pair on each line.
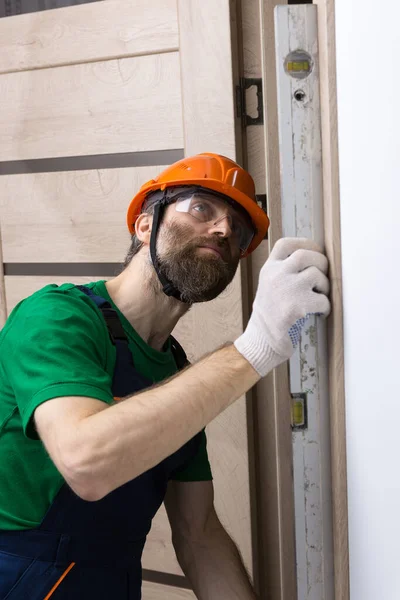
56, 343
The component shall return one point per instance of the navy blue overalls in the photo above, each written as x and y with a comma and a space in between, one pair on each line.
92, 550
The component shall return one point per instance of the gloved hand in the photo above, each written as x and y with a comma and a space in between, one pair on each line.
292, 286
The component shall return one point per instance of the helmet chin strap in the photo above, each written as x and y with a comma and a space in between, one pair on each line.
167, 286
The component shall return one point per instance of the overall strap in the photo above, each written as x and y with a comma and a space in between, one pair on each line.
179, 354
126, 380
117, 332
110, 315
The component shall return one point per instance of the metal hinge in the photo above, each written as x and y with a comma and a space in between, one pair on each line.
241, 111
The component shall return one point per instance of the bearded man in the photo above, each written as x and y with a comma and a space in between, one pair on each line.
101, 417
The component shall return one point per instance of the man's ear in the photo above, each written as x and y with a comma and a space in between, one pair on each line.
143, 226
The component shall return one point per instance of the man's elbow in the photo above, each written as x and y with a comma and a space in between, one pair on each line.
89, 468
79, 471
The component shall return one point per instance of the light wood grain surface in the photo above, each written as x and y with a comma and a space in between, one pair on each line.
207, 85
126, 105
72, 216
157, 591
84, 33
327, 57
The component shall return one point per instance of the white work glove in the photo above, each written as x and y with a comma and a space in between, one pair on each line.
292, 286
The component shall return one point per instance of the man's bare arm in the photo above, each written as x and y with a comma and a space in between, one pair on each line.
206, 553
98, 448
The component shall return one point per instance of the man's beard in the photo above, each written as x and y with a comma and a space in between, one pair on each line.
199, 278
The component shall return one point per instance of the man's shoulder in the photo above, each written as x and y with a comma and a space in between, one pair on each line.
50, 304
65, 294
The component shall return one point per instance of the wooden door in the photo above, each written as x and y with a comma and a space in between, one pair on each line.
95, 100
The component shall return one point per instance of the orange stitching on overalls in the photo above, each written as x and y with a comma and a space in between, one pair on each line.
55, 586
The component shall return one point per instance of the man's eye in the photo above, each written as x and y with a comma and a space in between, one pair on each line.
200, 208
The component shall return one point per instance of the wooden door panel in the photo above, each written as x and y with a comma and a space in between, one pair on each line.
80, 34
157, 591
72, 216
155, 93
127, 105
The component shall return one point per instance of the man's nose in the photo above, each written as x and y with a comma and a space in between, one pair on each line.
222, 226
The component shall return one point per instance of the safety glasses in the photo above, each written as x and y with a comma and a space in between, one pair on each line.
209, 208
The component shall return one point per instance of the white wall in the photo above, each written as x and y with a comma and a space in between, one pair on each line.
368, 70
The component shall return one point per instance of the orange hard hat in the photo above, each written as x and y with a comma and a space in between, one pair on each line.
214, 172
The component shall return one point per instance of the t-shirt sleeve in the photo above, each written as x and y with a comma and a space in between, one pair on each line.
198, 469
56, 347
